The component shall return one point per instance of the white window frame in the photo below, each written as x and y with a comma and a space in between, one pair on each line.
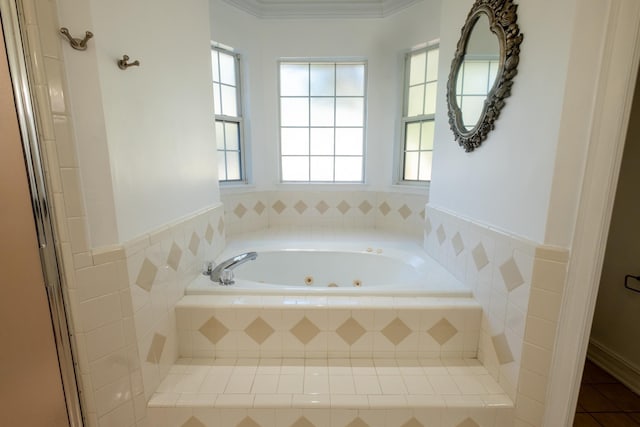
405, 119
238, 119
336, 61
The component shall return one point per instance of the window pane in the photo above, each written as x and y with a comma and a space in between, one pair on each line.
294, 141
232, 136
321, 168
416, 101
348, 169
350, 80
430, 98
493, 73
220, 135
412, 137
294, 80
322, 111
426, 141
222, 171
229, 101
425, 165
411, 166
295, 168
217, 103
349, 141
227, 69
321, 141
322, 79
473, 106
432, 64
214, 66
417, 68
349, 112
233, 165
476, 75
294, 112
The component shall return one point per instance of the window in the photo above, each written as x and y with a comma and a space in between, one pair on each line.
228, 115
421, 83
322, 114
475, 80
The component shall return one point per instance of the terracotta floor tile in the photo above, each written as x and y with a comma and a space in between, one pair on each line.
585, 420
593, 401
615, 419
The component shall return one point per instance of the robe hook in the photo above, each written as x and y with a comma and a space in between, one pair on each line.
77, 44
123, 63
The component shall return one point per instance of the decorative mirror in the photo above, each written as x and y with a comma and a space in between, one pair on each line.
482, 70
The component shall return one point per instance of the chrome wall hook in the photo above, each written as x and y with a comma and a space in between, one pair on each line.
123, 63
77, 44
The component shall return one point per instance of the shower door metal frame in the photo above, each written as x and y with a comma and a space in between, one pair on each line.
13, 29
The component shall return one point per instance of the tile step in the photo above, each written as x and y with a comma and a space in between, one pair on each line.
329, 393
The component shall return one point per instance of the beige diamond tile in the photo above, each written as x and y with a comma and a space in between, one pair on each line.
279, 206
209, 233
457, 243
404, 211
213, 330
384, 208
441, 234
427, 226
175, 253
248, 422
305, 330
300, 207
511, 274
365, 207
193, 422
350, 331
156, 348
412, 423
422, 214
503, 351
396, 331
303, 422
479, 256
259, 207
442, 331
240, 210
194, 243
259, 330
147, 275
322, 207
343, 207
468, 423
357, 423
220, 225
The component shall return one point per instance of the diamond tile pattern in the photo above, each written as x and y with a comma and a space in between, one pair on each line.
457, 243
422, 214
442, 331
396, 331
442, 236
479, 255
259, 330
213, 330
405, 212
240, 210
343, 207
357, 423
220, 225
303, 422
259, 207
384, 208
468, 423
300, 207
511, 274
156, 348
412, 423
194, 243
193, 422
365, 207
503, 351
175, 253
350, 331
248, 422
209, 233
322, 207
305, 330
279, 206
147, 275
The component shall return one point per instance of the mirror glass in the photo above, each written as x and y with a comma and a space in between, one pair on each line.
477, 72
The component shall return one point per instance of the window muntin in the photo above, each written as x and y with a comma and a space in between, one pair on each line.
322, 115
475, 80
228, 115
421, 84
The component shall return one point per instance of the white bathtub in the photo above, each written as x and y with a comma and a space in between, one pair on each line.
344, 264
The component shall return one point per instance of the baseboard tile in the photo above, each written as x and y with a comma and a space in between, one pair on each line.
620, 368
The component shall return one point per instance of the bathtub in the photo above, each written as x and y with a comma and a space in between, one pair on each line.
343, 264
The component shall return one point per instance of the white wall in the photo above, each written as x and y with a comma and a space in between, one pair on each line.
381, 41
145, 135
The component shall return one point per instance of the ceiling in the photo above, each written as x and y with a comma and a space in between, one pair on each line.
275, 9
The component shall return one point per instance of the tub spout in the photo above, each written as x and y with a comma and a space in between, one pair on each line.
227, 266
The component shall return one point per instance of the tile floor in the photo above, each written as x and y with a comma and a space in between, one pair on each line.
604, 401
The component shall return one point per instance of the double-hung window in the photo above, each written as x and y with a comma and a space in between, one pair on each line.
418, 118
228, 115
322, 121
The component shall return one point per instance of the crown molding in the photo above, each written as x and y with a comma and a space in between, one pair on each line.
321, 9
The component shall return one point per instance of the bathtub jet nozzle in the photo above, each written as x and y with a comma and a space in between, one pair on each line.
223, 273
